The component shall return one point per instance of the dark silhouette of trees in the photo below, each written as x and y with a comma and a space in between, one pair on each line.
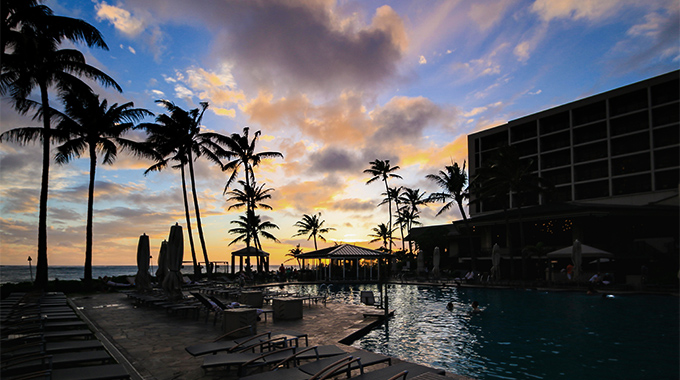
32, 58
312, 225
88, 125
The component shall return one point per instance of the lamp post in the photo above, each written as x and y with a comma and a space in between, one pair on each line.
30, 269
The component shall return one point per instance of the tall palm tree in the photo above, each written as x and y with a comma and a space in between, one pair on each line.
453, 181
31, 58
382, 170
508, 178
384, 233
292, 254
250, 226
240, 149
411, 199
312, 225
250, 195
98, 129
177, 137
393, 194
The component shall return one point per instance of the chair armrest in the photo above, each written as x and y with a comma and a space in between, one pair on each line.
233, 332
332, 369
295, 355
241, 345
243, 365
261, 345
401, 375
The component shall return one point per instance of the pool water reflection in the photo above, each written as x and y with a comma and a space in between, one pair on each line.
527, 334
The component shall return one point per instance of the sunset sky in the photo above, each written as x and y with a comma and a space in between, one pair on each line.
332, 85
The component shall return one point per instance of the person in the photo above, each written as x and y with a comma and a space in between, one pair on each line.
591, 290
449, 306
475, 307
570, 271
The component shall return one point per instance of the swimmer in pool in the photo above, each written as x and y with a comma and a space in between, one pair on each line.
475, 307
449, 306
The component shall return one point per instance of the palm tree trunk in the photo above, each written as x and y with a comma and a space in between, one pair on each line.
473, 255
208, 267
315, 248
90, 211
41, 266
197, 270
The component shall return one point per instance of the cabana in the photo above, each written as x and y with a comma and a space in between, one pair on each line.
261, 256
348, 261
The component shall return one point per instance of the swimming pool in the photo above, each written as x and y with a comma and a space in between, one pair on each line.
524, 334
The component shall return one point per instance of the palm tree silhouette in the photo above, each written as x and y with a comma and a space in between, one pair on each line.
250, 195
394, 193
250, 226
453, 181
240, 149
32, 34
382, 170
312, 225
98, 129
177, 137
382, 232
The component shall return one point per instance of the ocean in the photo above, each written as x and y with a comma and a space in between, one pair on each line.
21, 273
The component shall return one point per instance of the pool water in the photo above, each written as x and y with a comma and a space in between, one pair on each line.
524, 334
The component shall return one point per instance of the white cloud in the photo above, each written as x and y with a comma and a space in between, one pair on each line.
650, 28
522, 51
121, 19
183, 92
591, 10
422, 60
132, 50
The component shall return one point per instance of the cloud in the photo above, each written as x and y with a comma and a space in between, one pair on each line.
132, 50
591, 10
309, 45
333, 159
121, 19
404, 118
422, 60
487, 14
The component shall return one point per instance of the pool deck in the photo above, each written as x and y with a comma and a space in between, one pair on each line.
150, 343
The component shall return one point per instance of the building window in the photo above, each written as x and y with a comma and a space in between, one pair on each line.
630, 143
589, 113
667, 158
494, 141
666, 92
667, 179
598, 189
666, 114
633, 184
629, 102
523, 131
631, 164
666, 136
590, 152
559, 194
554, 123
526, 148
557, 176
555, 141
593, 170
555, 159
629, 123
590, 132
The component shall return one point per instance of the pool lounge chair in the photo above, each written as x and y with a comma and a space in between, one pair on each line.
38, 361
94, 372
277, 357
396, 370
322, 367
222, 344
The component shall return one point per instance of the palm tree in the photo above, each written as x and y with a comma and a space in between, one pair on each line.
382, 170
292, 253
508, 178
98, 129
453, 181
32, 35
250, 226
177, 137
394, 193
240, 149
312, 225
384, 233
250, 195
412, 198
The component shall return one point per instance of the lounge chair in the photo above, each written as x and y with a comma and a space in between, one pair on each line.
397, 371
94, 372
322, 367
38, 361
222, 343
277, 357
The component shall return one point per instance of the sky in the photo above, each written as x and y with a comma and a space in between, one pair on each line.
332, 85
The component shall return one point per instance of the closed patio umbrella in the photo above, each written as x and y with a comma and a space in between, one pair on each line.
142, 279
436, 257
495, 261
421, 261
172, 283
162, 262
